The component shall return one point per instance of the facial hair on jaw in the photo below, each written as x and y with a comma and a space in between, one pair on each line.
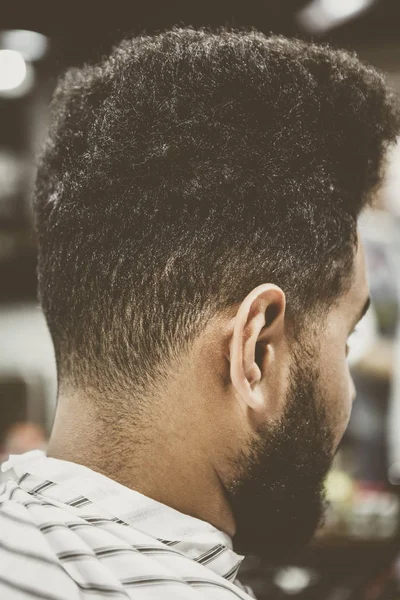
278, 498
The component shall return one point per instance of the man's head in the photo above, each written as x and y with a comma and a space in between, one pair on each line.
196, 206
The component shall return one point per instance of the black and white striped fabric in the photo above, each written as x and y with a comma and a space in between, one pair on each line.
69, 533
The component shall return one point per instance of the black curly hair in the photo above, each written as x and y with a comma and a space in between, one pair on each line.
184, 170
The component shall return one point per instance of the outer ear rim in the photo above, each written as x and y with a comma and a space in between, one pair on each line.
244, 375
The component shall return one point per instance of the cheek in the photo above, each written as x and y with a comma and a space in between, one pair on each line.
338, 393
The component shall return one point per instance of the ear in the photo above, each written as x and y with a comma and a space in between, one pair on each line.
258, 327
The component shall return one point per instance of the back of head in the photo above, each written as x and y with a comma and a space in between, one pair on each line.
184, 170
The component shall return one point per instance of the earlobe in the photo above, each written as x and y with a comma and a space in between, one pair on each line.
259, 318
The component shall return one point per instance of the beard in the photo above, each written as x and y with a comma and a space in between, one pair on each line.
277, 498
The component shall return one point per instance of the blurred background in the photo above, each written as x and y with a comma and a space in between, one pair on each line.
355, 556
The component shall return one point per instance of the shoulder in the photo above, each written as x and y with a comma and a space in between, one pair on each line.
29, 567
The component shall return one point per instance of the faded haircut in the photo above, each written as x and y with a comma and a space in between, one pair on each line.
184, 170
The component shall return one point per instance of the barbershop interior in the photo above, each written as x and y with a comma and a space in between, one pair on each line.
356, 553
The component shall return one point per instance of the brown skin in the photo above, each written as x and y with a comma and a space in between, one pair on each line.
212, 405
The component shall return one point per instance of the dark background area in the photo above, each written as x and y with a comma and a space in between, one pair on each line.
83, 30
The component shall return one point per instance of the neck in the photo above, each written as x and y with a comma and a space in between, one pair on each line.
163, 463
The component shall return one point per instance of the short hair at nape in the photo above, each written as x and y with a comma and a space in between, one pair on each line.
184, 170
